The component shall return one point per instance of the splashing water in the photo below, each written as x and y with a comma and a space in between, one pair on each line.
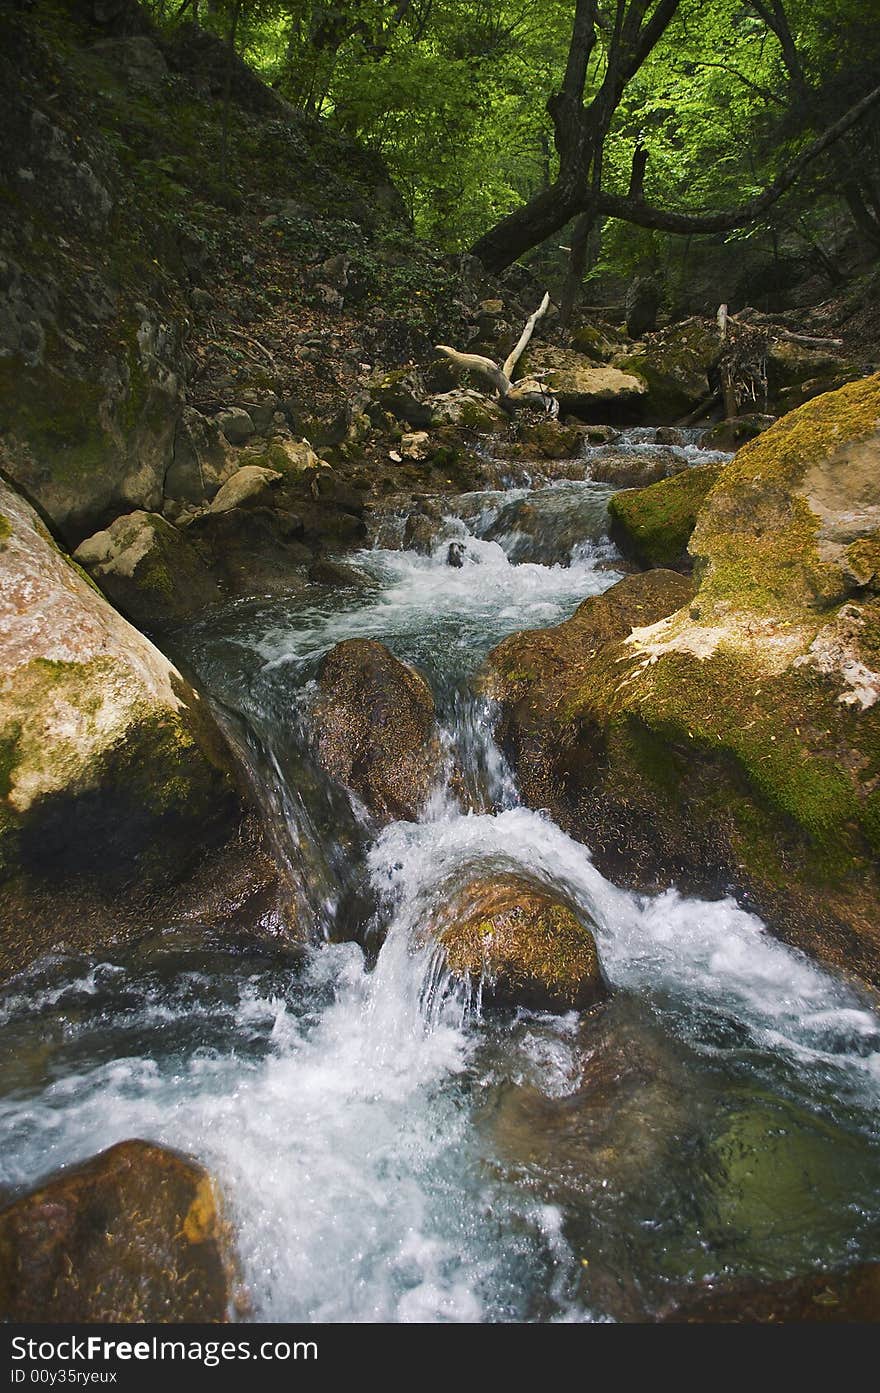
389, 1153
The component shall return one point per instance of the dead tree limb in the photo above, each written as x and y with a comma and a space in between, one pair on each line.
501, 376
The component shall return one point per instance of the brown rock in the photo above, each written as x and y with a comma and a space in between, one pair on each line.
133, 1235
376, 728
844, 1296
527, 945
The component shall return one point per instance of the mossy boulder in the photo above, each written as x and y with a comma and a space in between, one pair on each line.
675, 368
134, 1235
148, 569
652, 526
375, 729
525, 945
596, 341
87, 444
545, 440
735, 740
468, 410
791, 365
731, 435
113, 772
400, 394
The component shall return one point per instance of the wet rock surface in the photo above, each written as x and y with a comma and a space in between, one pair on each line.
850, 1295
523, 945
134, 1235
149, 569
653, 526
375, 728
742, 726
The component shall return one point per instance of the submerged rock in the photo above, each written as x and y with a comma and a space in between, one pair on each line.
525, 944
375, 728
653, 525
848, 1295
732, 738
616, 1124
133, 1235
113, 773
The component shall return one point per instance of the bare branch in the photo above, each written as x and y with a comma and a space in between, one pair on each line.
483, 367
634, 211
514, 357
527, 393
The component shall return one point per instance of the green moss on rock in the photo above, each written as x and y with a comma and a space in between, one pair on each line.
735, 738
653, 526
525, 946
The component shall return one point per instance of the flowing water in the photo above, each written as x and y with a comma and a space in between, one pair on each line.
388, 1151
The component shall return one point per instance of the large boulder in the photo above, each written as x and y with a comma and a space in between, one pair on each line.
200, 462
797, 372
133, 1235
586, 389
549, 440
675, 368
376, 728
652, 526
88, 442
249, 487
468, 410
524, 944
113, 774
149, 569
733, 737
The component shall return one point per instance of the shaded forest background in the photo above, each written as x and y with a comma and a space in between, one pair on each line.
453, 94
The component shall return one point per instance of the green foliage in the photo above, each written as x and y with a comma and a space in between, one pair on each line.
453, 94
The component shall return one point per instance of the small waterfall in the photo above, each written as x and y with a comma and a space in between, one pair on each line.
389, 1151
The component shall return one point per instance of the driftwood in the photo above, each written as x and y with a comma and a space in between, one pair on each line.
500, 376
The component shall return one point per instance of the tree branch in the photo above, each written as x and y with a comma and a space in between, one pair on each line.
741, 77
514, 357
634, 211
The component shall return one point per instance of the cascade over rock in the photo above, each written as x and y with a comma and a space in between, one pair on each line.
523, 943
732, 737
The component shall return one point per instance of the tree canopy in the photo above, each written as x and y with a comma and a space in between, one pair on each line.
502, 121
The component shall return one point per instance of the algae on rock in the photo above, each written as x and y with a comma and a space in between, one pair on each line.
113, 769
732, 737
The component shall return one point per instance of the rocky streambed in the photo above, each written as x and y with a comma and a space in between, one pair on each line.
489, 1077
